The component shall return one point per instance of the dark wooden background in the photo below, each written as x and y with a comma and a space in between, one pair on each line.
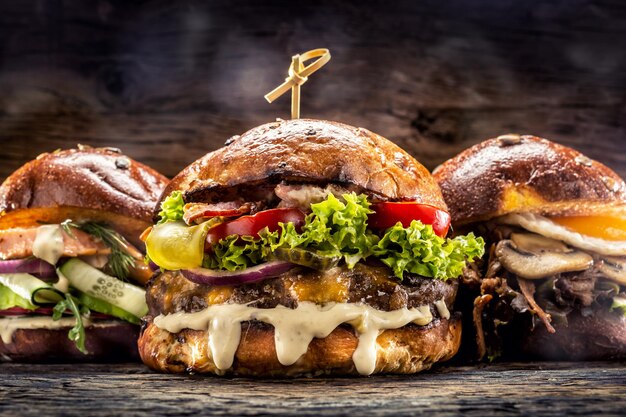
168, 81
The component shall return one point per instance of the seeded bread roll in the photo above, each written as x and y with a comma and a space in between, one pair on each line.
514, 174
96, 184
309, 151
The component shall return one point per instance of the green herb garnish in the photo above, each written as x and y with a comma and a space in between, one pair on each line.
120, 262
76, 333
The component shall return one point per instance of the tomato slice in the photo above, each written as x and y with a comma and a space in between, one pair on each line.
389, 213
253, 224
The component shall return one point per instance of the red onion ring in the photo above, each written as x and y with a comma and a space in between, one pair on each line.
34, 266
19, 311
248, 275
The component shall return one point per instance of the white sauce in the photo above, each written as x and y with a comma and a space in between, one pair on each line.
63, 284
9, 325
48, 244
548, 228
442, 309
295, 328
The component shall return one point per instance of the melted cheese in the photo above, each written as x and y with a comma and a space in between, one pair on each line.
48, 244
546, 227
9, 325
295, 328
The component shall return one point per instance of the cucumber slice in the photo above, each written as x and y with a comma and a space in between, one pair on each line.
103, 307
31, 288
97, 284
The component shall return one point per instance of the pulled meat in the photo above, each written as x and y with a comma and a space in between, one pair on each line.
576, 289
504, 301
528, 291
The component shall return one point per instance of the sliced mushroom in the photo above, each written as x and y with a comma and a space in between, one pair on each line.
532, 242
536, 264
614, 268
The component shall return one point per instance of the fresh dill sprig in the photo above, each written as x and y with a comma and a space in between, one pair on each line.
67, 226
120, 261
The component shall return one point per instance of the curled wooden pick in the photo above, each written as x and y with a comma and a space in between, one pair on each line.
298, 75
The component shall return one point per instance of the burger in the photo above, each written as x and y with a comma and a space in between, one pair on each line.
71, 262
554, 282
303, 247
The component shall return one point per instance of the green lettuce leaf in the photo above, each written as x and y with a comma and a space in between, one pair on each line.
9, 299
334, 228
417, 249
235, 253
172, 207
338, 228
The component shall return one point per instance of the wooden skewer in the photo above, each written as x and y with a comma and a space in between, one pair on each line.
297, 75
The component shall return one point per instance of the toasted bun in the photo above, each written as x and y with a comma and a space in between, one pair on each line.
309, 151
82, 184
515, 173
117, 342
601, 336
407, 350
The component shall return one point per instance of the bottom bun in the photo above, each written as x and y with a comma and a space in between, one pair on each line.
113, 341
406, 350
597, 337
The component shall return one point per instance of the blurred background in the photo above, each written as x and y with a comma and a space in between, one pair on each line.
168, 81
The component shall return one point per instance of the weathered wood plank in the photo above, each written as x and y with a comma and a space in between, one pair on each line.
169, 81
539, 389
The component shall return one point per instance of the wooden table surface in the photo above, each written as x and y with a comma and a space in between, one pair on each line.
550, 389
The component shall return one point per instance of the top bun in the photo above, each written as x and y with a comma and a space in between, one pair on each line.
309, 151
514, 173
93, 183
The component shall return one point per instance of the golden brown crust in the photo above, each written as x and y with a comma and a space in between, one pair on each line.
305, 150
529, 174
113, 343
99, 179
407, 350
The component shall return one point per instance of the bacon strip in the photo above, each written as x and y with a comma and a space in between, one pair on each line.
17, 243
202, 211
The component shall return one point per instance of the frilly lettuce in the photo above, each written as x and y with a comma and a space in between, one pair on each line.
339, 228
418, 250
172, 207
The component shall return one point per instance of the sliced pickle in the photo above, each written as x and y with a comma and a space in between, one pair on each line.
308, 258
